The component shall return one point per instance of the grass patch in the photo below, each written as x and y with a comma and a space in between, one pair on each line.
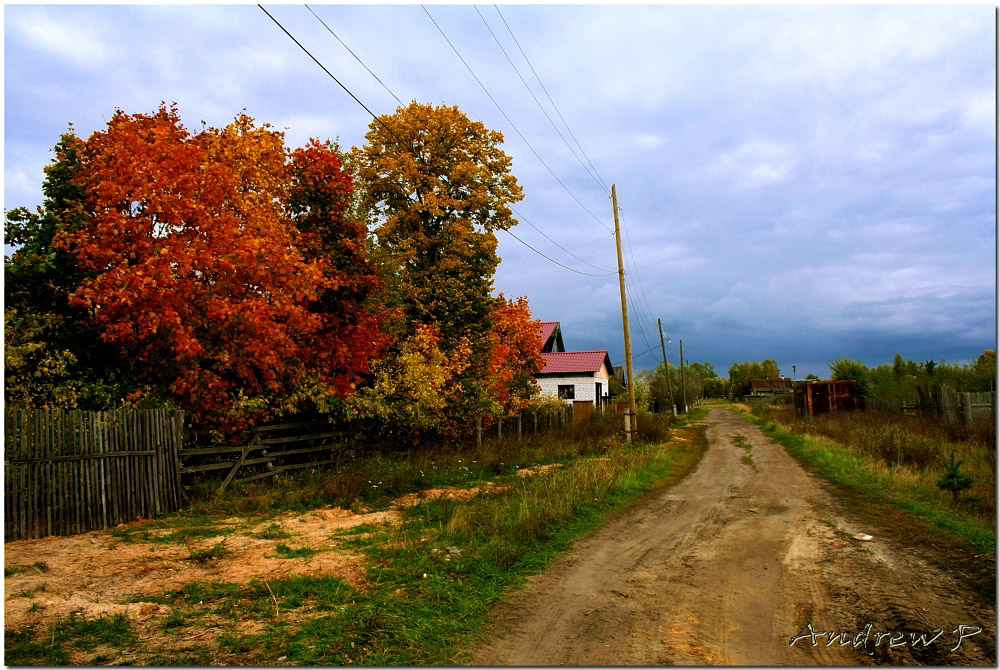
284, 551
29, 647
741, 442
879, 481
272, 532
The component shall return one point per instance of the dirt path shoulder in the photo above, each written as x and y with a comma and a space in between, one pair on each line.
727, 567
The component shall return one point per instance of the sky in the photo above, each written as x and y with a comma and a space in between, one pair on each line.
795, 182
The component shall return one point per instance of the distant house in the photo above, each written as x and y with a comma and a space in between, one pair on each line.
768, 388
575, 376
551, 337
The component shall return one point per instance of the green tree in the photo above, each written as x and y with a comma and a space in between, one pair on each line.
54, 359
849, 368
740, 374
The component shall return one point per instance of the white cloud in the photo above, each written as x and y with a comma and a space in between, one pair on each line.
71, 40
754, 164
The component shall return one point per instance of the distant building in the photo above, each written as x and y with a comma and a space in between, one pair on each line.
572, 376
575, 376
768, 388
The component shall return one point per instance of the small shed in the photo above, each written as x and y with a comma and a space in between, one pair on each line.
828, 396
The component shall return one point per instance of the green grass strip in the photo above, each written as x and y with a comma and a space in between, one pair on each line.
851, 470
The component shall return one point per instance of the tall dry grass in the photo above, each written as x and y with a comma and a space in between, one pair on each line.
365, 476
914, 449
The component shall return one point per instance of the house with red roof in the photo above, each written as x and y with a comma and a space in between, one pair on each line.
573, 376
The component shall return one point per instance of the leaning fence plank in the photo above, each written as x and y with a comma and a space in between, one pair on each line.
239, 463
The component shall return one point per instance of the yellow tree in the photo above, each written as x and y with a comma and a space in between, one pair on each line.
439, 186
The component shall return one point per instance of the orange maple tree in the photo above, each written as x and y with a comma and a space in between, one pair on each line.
515, 354
208, 260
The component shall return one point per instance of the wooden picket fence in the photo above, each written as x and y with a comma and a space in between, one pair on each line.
70, 471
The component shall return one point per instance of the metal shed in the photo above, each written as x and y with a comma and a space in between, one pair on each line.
829, 396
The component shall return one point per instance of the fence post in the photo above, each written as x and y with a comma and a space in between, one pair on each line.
479, 431
499, 426
967, 408
519, 425
535, 432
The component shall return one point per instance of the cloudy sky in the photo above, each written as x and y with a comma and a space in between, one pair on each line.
796, 182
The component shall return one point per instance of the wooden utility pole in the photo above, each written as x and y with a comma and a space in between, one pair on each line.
684, 400
630, 418
666, 370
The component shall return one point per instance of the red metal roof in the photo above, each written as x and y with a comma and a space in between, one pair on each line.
575, 361
545, 330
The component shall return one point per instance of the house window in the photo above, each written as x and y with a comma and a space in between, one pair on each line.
567, 391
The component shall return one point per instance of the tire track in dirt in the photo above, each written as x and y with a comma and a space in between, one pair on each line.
727, 566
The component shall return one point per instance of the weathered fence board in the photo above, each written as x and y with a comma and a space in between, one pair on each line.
270, 446
69, 471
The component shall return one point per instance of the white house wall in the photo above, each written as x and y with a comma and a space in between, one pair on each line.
585, 387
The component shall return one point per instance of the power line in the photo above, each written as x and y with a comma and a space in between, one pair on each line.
535, 98
642, 353
397, 137
550, 97
519, 133
355, 56
588, 274
639, 320
635, 267
522, 218
330, 74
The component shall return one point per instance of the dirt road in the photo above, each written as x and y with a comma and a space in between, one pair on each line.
740, 557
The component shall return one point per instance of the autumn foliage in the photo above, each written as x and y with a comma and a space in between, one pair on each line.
515, 354
200, 270
226, 274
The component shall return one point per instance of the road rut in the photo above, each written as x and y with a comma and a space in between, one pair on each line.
729, 565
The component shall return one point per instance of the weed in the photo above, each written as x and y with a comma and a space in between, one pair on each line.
175, 619
11, 570
216, 551
35, 607
272, 532
287, 552
740, 441
30, 593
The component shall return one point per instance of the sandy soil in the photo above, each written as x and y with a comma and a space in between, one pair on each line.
95, 573
727, 567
